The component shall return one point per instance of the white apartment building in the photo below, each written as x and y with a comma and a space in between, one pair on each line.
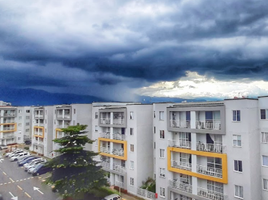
71, 115
42, 130
8, 124
24, 123
207, 150
123, 134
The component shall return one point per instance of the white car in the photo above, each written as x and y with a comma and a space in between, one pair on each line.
14, 158
13, 152
33, 164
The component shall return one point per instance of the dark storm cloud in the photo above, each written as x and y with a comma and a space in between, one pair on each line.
132, 43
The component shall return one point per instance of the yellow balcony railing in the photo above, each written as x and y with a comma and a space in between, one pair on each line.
122, 156
12, 127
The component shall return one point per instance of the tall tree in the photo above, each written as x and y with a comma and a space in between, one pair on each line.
75, 170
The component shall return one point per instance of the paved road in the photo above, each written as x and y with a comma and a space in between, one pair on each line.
15, 182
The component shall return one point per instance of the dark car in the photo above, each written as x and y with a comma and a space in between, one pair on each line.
26, 160
41, 169
27, 142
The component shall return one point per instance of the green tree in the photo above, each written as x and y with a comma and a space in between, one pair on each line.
75, 171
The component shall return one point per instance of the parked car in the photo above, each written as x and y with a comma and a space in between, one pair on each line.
33, 164
41, 169
24, 157
27, 160
112, 197
13, 152
2, 147
16, 157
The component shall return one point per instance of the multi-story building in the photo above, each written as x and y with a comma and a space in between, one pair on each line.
42, 130
207, 150
71, 115
24, 124
123, 135
8, 124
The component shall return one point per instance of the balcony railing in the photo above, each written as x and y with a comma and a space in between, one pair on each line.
181, 186
8, 128
8, 136
105, 149
209, 194
119, 168
9, 121
181, 165
105, 121
209, 125
210, 171
119, 184
180, 143
105, 135
118, 121
210, 147
180, 124
118, 152
118, 136
145, 193
9, 114
105, 165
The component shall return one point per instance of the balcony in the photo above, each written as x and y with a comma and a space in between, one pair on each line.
9, 121
181, 186
181, 165
118, 136
7, 128
118, 121
119, 184
8, 136
105, 135
105, 165
180, 124
12, 114
209, 194
118, 152
105, 150
209, 171
209, 147
105, 121
208, 124
180, 143
119, 169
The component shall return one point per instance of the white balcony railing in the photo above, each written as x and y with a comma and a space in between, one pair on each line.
210, 147
180, 124
209, 194
118, 121
8, 128
105, 149
119, 184
118, 152
180, 143
208, 124
119, 168
145, 193
105, 121
105, 135
105, 165
118, 136
9, 136
210, 171
181, 186
181, 165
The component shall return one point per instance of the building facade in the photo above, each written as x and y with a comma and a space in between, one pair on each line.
24, 124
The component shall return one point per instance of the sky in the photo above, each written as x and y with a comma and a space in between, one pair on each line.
120, 49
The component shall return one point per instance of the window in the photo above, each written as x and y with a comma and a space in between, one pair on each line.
215, 187
74, 110
162, 153
132, 181
265, 161
154, 129
162, 134
96, 128
19, 111
27, 124
238, 165
238, 191
96, 115
264, 113
19, 125
132, 147
154, 114
265, 184
27, 111
161, 115
236, 115
162, 192
27, 130
131, 165
131, 131
131, 115
237, 140
162, 172
27, 117
154, 145
264, 137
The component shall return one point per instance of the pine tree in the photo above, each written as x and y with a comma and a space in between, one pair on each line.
75, 171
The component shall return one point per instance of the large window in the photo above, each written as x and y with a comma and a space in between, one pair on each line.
238, 165
161, 115
239, 191
264, 113
265, 184
264, 137
237, 140
162, 192
265, 161
236, 116
215, 187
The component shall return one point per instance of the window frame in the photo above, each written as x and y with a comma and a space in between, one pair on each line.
161, 115
131, 147
163, 153
131, 165
235, 144
236, 115
237, 165
241, 191
131, 131
131, 181
162, 192
263, 184
262, 163
266, 137
131, 115
162, 172
162, 134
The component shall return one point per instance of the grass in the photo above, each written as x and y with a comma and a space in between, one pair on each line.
103, 191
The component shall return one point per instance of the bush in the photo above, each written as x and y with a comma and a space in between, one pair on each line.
103, 191
26, 148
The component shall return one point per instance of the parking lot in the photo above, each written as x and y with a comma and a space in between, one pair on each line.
17, 184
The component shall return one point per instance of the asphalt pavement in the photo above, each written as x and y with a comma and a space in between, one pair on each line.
16, 184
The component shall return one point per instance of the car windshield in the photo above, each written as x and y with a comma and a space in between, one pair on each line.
39, 166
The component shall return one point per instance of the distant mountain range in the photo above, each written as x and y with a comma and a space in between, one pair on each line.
29, 97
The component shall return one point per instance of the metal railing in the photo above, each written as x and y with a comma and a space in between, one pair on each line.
105, 149
210, 147
105, 135
181, 186
208, 124
105, 121
210, 171
118, 121
209, 194
119, 184
118, 136
105, 165
180, 143
180, 124
119, 168
118, 152
145, 193
181, 165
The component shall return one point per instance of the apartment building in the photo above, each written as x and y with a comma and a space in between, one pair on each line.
207, 150
42, 130
24, 123
123, 134
8, 124
71, 115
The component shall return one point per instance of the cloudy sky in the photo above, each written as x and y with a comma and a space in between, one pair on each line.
119, 48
